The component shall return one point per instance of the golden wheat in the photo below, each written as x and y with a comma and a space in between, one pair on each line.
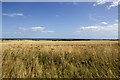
60, 59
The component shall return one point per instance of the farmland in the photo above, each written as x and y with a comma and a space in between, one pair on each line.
60, 59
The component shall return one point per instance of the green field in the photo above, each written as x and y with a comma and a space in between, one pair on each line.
60, 59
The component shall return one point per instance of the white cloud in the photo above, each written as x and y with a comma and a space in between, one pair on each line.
100, 2
107, 27
35, 29
12, 14
99, 31
89, 28
104, 23
114, 3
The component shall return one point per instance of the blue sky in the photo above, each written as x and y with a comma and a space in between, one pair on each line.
83, 20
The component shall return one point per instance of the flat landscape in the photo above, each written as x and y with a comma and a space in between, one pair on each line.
60, 59
60, 39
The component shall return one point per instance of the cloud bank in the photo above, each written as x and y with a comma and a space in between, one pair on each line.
114, 3
112, 27
35, 29
12, 14
103, 30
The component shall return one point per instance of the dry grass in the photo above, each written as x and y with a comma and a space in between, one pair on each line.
60, 59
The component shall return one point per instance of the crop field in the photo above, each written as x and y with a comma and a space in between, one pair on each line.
60, 59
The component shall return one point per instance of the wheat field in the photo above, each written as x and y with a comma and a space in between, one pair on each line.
60, 59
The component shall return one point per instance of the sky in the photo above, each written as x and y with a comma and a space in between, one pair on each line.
81, 20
